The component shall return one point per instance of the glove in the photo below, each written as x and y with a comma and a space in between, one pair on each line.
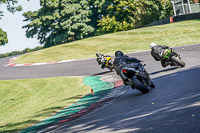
171, 49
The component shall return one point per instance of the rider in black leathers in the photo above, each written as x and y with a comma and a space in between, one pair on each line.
121, 61
156, 52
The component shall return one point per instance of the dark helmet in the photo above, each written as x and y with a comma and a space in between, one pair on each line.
119, 53
97, 54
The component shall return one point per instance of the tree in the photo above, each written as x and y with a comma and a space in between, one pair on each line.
59, 21
3, 37
131, 14
98, 9
11, 6
110, 25
154, 10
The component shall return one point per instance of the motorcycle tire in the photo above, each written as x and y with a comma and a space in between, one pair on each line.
177, 61
139, 85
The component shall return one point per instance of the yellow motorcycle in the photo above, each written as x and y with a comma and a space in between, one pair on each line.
105, 61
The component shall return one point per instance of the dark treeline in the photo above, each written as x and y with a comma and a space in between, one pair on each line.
26, 50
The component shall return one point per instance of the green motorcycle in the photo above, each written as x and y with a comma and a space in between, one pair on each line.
172, 58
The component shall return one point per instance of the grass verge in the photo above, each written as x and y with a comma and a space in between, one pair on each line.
174, 34
26, 102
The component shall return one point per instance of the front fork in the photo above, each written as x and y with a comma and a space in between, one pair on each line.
176, 54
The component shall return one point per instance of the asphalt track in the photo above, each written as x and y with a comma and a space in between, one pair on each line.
190, 55
173, 106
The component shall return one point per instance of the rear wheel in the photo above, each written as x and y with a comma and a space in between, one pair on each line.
176, 61
139, 85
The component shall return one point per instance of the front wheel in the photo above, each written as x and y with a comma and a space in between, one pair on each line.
176, 61
139, 85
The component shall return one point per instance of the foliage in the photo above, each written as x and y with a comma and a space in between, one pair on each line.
110, 25
1, 14
3, 37
133, 13
11, 6
98, 9
59, 21
26, 50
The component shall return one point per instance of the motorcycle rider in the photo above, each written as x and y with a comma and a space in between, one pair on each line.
157, 51
121, 61
102, 59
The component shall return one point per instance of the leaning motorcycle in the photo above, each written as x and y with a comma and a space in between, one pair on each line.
172, 58
105, 60
138, 77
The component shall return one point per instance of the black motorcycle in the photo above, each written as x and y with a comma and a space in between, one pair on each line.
138, 77
172, 58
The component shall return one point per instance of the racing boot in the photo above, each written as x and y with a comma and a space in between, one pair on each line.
151, 84
126, 82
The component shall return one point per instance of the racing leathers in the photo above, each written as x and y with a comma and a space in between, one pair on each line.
157, 51
102, 59
105, 61
124, 61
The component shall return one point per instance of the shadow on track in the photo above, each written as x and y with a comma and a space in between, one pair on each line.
173, 106
165, 70
102, 73
176, 109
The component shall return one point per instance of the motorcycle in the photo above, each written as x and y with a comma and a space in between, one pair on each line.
172, 58
105, 61
137, 77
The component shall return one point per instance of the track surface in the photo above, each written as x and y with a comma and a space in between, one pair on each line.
173, 106
189, 54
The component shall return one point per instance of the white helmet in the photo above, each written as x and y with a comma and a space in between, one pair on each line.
152, 45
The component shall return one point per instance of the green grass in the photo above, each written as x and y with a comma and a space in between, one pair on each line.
25, 102
175, 34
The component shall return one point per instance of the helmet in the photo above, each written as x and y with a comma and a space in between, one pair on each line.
119, 53
152, 45
97, 54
